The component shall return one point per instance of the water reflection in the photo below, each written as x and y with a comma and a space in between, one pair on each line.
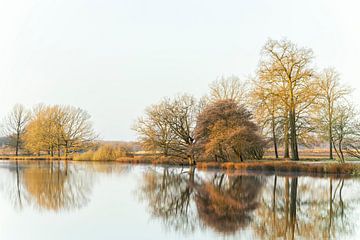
186, 201
225, 203
168, 195
305, 210
271, 207
54, 186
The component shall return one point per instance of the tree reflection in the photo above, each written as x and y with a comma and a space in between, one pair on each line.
184, 201
303, 211
273, 207
169, 197
226, 204
50, 186
55, 187
13, 186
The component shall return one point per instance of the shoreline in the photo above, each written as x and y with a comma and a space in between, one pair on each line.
279, 167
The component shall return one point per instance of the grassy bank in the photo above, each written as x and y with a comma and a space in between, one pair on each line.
35, 158
311, 167
283, 167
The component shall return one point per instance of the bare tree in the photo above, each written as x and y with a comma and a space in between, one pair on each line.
229, 88
344, 130
168, 127
76, 130
180, 115
330, 93
14, 126
154, 132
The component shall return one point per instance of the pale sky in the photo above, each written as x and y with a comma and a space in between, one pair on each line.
114, 58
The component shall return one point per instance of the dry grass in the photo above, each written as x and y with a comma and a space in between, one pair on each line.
311, 167
35, 158
318, 168
151, 159
103, 153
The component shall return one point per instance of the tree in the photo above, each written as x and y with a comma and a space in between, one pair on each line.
59, 128
168, 127
330, 93
344, 130
76, 130
268, 113
229, 88
15, 125
43, 133
154, 132
181, 114
224, 130
288, 68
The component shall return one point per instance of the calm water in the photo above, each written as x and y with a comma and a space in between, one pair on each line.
41, 200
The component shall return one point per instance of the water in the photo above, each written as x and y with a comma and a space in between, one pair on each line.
44, 200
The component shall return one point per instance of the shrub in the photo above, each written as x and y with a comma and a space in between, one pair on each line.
103, 153
225, 132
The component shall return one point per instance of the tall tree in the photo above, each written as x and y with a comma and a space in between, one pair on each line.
14, 126
289, 69
268, 113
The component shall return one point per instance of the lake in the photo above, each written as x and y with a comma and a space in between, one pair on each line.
88, 200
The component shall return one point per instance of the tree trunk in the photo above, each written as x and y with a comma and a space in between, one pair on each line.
330, 139
66, 149
191, 160
238, 154
17, 144
274, 137
293, 136
336, 151
341, 151
286, 137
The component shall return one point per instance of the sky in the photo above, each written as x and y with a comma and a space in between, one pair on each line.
115, 57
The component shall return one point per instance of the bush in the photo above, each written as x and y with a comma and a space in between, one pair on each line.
225, 132
103, 153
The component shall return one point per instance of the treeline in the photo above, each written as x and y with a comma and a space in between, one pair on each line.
286, 104
53, 130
